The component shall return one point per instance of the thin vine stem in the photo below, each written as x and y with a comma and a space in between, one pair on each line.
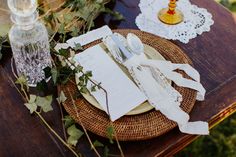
63, 126
51, 129
80, 121
26, 99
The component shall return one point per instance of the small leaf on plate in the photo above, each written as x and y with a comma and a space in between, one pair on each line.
78, 47
63, 52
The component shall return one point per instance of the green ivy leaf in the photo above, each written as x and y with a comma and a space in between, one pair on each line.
84, 90
32, 98
106, 151
110, 133
44, 103
68, 17
22, 80
97, 144
93, 88
79, 68
62, 98
72, 140
31, 104
89, 74
64, 53
68, 121
75, 31
75, 135
61, 29
78, 47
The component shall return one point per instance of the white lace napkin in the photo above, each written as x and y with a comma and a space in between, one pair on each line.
196, 20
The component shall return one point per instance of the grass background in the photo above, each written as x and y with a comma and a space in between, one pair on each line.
222, 139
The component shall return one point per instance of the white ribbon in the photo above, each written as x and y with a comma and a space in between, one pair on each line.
160, 98
167, 68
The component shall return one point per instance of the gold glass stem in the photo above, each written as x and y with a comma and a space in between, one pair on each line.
171, 15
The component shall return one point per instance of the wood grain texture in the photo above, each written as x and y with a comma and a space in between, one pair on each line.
213, 55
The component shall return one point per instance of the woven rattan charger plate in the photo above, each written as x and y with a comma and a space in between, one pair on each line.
138, 127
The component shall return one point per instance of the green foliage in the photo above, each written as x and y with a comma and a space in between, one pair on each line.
97, 144
44, 103
221, 142
36, 101
75, 17
62, 98
68, 121
230, 4
74, 135
22, 81
106, 152
110, 133
31, 105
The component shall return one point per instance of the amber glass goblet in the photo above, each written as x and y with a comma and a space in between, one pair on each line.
171, 15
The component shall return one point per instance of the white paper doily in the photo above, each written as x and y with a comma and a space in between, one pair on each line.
196, 20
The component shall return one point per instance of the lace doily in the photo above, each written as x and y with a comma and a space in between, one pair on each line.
196, 20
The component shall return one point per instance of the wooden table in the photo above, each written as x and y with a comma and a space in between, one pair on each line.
213, 55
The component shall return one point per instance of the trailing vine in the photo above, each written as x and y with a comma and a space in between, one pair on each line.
69, 18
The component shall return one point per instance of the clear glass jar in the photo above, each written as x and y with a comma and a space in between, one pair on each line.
29, 41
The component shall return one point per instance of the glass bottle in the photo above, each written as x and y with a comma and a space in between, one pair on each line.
29, 41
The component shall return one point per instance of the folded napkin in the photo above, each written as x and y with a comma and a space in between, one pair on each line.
159, 97
85, 38
152, 78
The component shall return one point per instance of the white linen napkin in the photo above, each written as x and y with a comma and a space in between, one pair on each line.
85, 38
139, 67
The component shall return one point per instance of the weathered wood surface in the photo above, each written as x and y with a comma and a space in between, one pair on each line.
213, 55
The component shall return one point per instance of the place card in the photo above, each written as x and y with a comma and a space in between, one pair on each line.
123, 94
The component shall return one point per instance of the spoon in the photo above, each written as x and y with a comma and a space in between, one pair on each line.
135, 44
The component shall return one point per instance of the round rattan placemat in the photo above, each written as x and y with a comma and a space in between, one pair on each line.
138, 127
